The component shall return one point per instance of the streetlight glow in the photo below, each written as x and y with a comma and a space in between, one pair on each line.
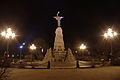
115, 34
109, 30
9, 30
105, 35
21, 47
3, 33
23, 44
110, 33
32, 47
8, 33
83, 46
13, 35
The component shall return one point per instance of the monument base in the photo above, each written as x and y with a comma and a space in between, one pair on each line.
63, 64
59, 56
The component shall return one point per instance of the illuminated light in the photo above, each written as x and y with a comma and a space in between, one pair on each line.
83, 46
42, 50
105, 35
3, 33
23, 44
8, 55
32, 47
13, 55
109, 30
13, 35
21, 47
9, 30
110, 34
8, 33
76, 51
115, 33
61, 17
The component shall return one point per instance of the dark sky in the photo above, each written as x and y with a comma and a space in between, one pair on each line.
83, 21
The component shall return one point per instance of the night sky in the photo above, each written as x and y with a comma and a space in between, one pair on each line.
83, 21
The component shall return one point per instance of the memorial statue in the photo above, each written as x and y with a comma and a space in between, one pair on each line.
59, 53
59, 42
58, 18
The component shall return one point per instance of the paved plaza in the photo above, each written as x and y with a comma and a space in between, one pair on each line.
101, 73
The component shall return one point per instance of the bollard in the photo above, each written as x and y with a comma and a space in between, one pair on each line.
77, 64
48, 67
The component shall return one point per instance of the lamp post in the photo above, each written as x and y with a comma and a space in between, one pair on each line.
21, 47
32, 47
110, 34
8, 34
82, 47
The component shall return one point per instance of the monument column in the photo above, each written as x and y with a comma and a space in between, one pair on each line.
59, 42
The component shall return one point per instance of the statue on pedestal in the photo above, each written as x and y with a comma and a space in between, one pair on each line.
58, 53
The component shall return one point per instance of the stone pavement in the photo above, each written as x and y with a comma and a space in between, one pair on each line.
102, 73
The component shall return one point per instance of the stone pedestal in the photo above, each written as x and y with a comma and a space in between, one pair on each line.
59, 54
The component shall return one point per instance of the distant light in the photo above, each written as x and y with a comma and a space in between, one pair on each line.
9, 30
76, 51
21, 47
13, 55
115, 33
105, 35
82, 46
23, 44
3, 33
32, 47
110, 33
61, 17
8, 34
42, 50
110, 30
8, 55
13, 35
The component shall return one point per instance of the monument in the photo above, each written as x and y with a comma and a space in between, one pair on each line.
59, 53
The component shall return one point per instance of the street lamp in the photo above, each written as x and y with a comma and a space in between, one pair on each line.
21, 47
8, 34
110, 34
82, 47
32, 47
